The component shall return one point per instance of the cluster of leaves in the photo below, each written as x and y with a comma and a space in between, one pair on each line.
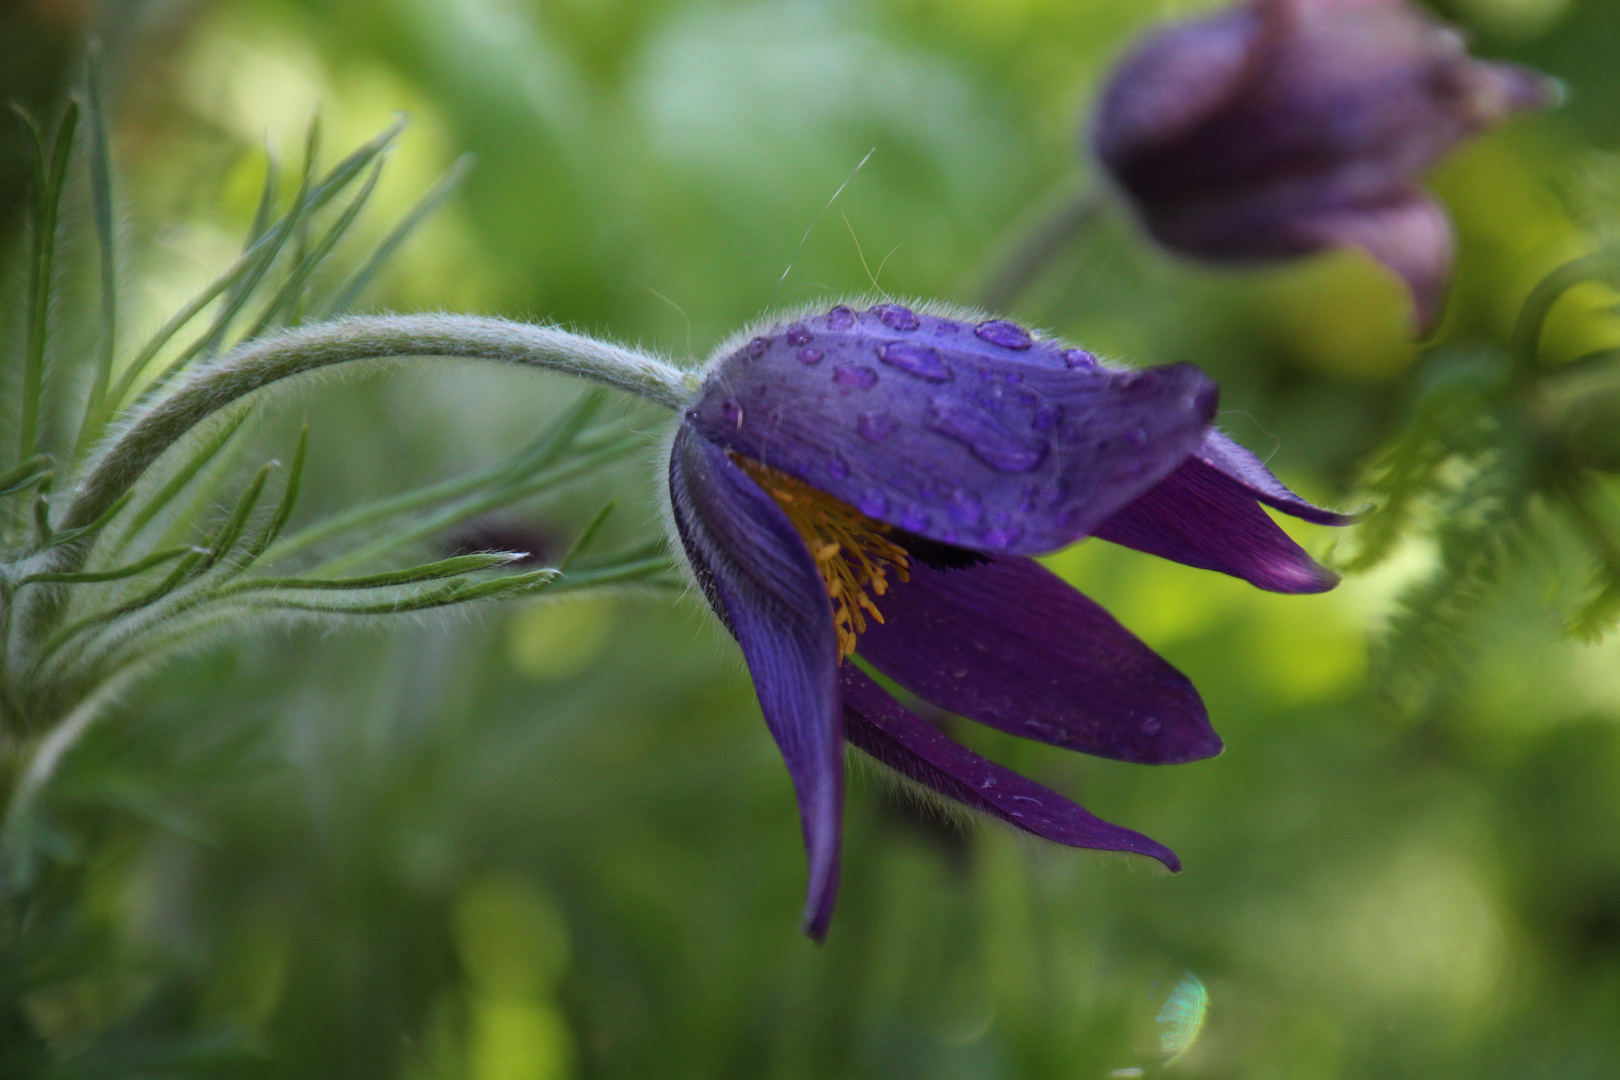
1505, 454
191, 547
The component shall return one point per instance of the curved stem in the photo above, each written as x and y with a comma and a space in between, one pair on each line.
311, 348
1035, 248
1526, 340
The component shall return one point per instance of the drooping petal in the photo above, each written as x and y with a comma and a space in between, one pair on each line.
879, 725
1242, 467
1199, 517
976, 435
764, 585
1410, 234
1010, 644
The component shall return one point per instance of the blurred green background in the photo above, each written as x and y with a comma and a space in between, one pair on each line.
556, 841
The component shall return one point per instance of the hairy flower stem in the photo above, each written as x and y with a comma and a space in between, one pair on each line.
132, 449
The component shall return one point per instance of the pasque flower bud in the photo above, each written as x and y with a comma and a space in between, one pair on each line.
1285, 127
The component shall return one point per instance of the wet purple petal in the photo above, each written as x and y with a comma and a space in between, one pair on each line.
879, 725
1012, 645
762, 582
1046, 450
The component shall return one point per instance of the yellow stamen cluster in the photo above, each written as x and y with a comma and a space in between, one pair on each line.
852, 551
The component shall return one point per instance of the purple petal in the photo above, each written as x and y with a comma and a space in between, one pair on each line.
762, 582
984, 444
1410, 234
1173, 81
1241, 466
1010, 644
1199, 517
877, 724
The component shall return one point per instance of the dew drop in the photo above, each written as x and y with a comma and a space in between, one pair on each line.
875, 425
1151, 725
798, 335
1003, 536
1079, 358
836, 468
840, 318
756, 348
855, 375
873, 503
1046, 416
983, 434
965, 507
732, 410
916, 359
895, 317
988, 782
1008, 335
946, 326
809, 356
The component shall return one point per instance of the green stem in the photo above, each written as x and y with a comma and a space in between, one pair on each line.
311, 348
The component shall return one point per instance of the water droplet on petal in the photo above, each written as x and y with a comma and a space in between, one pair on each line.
798, 335
840, 318
732, 410
965, 507
916, 359
1046, 416
876, 424
983, 434
836, 468
895, 317
756, 348
1008, 335
988, 782
855, 375
1003, 536
873, 503
1151, 725
809, 356
946, 326
1079, 358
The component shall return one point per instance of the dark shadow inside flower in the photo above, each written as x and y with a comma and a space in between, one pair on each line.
1022, 453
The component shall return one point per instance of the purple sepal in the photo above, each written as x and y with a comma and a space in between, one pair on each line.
1012, 645
877, 724
1241, 466
761, 580
992, 441
1284, 127
1198, 517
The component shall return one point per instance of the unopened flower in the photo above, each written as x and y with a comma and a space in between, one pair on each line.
1284, 127
875, 483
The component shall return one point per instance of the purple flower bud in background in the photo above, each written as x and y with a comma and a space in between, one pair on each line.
1285, 127
876, 482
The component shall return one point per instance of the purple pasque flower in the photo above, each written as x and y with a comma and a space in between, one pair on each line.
1284, 127
875, 482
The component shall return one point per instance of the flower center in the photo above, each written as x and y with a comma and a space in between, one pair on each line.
852, 551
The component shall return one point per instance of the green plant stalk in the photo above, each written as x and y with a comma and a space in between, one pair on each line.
306, 349
42, 272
